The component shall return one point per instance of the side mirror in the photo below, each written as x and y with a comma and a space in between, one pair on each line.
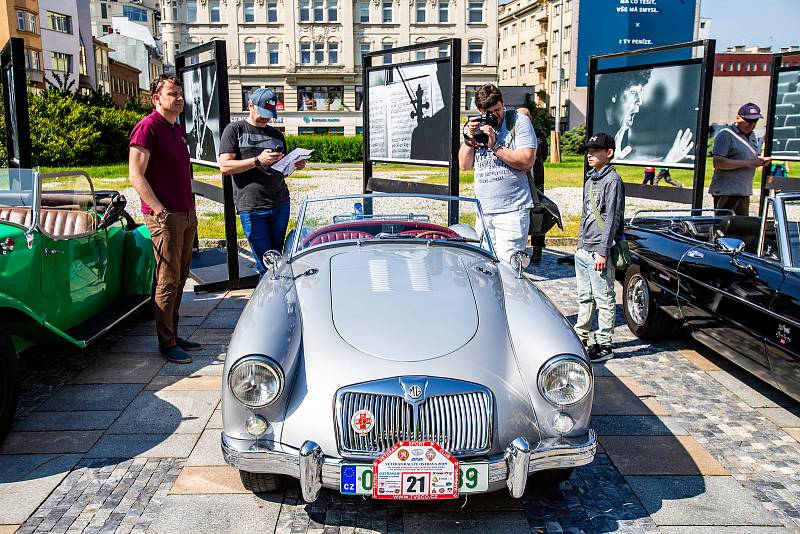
520, 261
273, 261
728, 245
112, 212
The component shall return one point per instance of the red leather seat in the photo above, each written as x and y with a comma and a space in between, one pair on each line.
338, 235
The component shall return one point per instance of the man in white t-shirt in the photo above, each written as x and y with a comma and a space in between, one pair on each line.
501, 159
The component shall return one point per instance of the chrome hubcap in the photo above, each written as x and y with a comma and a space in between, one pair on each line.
638, 299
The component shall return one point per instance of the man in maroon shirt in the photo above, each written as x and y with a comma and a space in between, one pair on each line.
161, 173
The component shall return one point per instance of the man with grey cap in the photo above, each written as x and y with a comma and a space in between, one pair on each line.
248, 150
735, 161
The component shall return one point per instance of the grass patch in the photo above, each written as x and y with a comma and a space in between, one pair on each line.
572, 225
212, 226
118, 170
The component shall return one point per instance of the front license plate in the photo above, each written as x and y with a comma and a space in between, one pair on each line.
356, 479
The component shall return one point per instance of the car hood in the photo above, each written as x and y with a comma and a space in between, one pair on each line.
404, 305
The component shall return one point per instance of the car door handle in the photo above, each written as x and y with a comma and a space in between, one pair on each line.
695, 254
52, 252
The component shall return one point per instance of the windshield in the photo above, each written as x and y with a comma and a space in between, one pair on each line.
792, 214
16, 196
389, 218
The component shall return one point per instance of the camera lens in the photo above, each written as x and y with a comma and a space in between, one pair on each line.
481, 138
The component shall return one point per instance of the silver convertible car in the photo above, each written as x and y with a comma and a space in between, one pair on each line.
387, 352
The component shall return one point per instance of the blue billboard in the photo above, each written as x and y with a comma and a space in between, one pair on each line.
607, 26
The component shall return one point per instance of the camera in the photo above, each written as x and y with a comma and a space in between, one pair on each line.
486, 118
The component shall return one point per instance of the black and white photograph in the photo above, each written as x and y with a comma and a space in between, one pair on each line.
201, 113
786, 130
652, 113
409, 115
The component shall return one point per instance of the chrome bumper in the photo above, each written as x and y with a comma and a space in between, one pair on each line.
315, 470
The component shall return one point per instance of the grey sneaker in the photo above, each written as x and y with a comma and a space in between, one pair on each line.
600, 353
176, 355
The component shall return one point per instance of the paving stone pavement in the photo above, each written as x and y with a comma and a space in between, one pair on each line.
693, 445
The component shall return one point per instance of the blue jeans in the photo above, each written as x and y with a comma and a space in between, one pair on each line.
265, 230
595, 292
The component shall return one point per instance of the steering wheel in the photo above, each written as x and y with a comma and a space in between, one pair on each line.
434, 232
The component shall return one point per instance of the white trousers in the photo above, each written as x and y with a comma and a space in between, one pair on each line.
508, 231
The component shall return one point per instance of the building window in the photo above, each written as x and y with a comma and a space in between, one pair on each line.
556, 36
333, 53
420, 55
505, 74
214, 11
513, 51
469, 101
103, 10
26, 22
272, 11
83, 68
359, 97
320, 98
553, 87
421, 11
250, 53
443, 12
522, 24
476, 11
505, 53
21, 21
59, 23
522, 48
249, 11
191, 11
274, 55
363, 12
567, 5
475, 53
319, 53
33, 59
567, 32
522, 70
387, 12
305, 10
61, 62
319, 10
333, 10
565, 84
557, 10
305, 53
513, 72
444, 50
134, 13
565, 61
319, 130
387, 58
278, 90
246, 91
505, 32
364, 50
175, 10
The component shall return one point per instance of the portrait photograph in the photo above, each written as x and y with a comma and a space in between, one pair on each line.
201, 113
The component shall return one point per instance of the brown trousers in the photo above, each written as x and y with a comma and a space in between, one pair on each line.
172, 244
739, 204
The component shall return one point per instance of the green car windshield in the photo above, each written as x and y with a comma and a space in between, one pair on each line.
17, 187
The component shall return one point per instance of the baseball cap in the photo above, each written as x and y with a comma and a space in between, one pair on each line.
599, 140
750, 112
265, 102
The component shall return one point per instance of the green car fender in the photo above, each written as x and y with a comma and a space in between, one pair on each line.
139, 262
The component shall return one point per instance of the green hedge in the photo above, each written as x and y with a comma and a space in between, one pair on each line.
329, 148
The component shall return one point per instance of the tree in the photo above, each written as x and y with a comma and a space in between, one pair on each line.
539, 116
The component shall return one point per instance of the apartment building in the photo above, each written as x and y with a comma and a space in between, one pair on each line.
309, 51
67, 42
535, 45
143, 12
22, 20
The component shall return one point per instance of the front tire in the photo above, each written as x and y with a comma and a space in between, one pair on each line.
645, 319
260, 482
9, 385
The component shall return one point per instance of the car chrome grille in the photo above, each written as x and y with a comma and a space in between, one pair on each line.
460, 422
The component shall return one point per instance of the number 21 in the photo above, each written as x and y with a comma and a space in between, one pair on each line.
414, 481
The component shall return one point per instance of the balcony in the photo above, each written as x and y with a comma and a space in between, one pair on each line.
540, 65
541, 40
541, 16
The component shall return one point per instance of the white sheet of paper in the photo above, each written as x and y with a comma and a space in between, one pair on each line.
287, 163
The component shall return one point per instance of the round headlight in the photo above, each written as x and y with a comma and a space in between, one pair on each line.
256, 381
565, 380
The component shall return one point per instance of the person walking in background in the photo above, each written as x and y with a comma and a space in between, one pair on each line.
735, 161
160, 172
248, 150
601, 225
649, 175
663, 174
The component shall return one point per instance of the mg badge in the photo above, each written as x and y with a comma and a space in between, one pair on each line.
362, 422
414, 392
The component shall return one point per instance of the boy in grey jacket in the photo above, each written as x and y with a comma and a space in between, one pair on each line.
601, 224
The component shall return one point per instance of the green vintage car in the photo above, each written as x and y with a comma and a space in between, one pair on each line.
73, 264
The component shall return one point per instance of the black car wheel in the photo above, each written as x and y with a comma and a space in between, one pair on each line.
9, 385
644, 317
260, 482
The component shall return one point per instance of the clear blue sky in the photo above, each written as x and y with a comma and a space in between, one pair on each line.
774, 23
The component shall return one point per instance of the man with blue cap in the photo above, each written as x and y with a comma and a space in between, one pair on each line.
248, 150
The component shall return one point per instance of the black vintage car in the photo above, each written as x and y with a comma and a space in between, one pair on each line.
734, 281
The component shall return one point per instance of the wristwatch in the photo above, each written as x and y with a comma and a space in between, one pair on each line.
257, 162
162, 215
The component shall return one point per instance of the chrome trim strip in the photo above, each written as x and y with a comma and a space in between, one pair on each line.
268, 457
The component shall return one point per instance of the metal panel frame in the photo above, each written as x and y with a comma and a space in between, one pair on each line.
770, 184
13, 55
669, 194
371, 184
224, 195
